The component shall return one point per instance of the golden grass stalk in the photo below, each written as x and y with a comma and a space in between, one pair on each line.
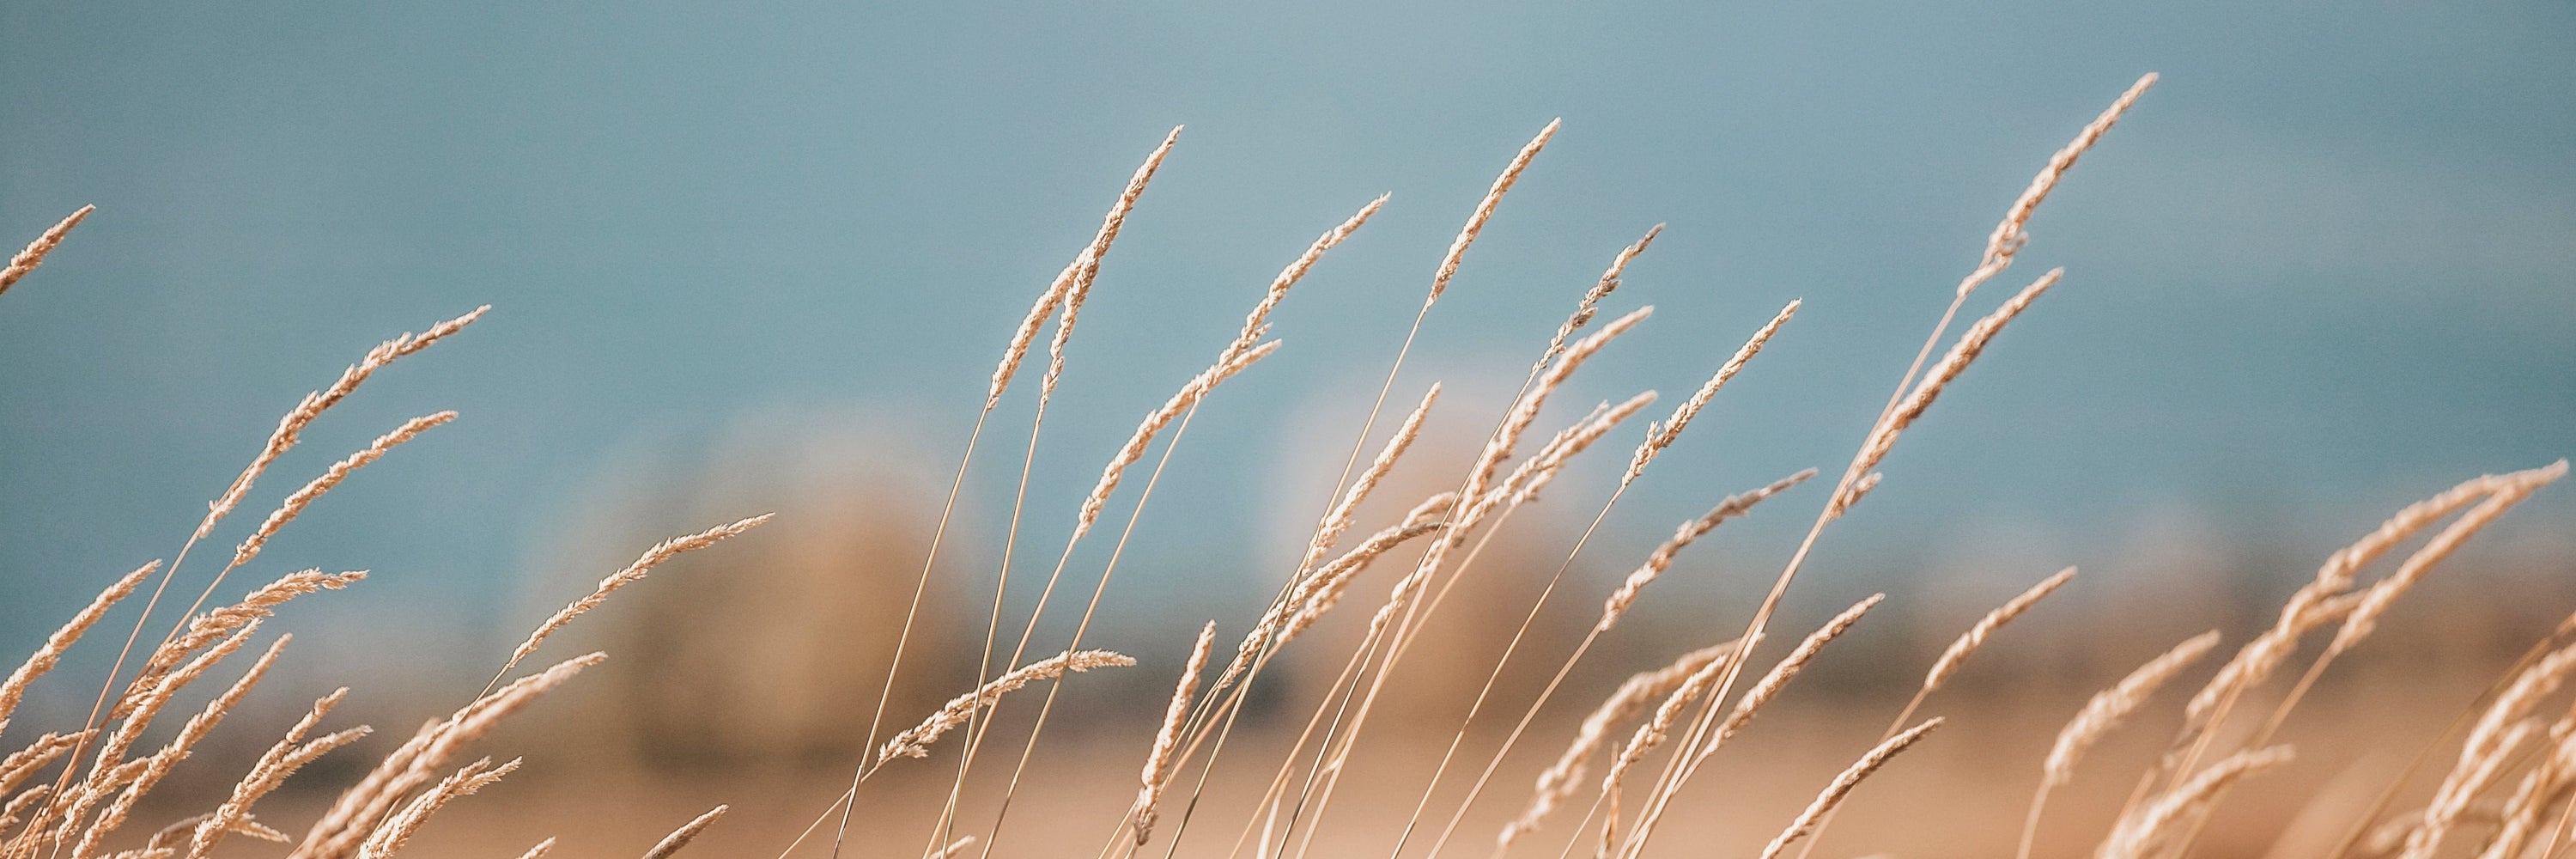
365, 806
1949, 662
955, 848
2358, 612
1233, 358
2010, 235
1859, 479
1297, 599
1882, 438
1787, 669
1523, 484
2104, 713
1976, 636
290, 428
1027, 334
2327, 600
915, 742
110, 771
1662, 558
2364, 617
2138, 835
33, 255
539, 851
1183, 400
1475, 502
1157, 774
2302, 613
1325, 588
1485, 211
2545, 787
18, 805
50, 653
1338, 519
141, 707
1842, 785
1591, 303
1237, 355
212, 626
22, 763
2489, 748
687, 832
397, 831
2110, 707
1084, 265
269, 772
1562, 778
1256, 323
1447, 269
331, 477
1086, 268
1525, 412
1702, 742
634, 572
158, 765
1470, 494
166, 841
1653, 733
1662, 435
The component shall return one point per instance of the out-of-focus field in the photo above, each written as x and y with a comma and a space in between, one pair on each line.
752, 696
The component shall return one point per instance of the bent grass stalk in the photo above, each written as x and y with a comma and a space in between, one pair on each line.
1949, 663
1059, 295
1476, 503
1441, 276
1238, 354
2010, 235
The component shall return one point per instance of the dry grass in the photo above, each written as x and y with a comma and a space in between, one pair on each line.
2509, 794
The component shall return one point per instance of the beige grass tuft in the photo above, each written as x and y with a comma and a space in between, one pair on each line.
2110, 707
1181, 401
1882, 438
290, 428
915, 742
51, 652
269, 772
1663, 556
687, 832
33, 255
2140, 834
1338, 520
1158, 763
1086, 269
2014, 232
634, 572
1522, 486
397, 831
365, 806
1976, 636
1591, 304
1485, 211
331, 477
1662, 435
1562, 778
1843, 784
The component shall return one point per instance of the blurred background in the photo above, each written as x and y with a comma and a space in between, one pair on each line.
749, 259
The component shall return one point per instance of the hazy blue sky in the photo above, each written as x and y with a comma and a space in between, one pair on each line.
2324, 268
